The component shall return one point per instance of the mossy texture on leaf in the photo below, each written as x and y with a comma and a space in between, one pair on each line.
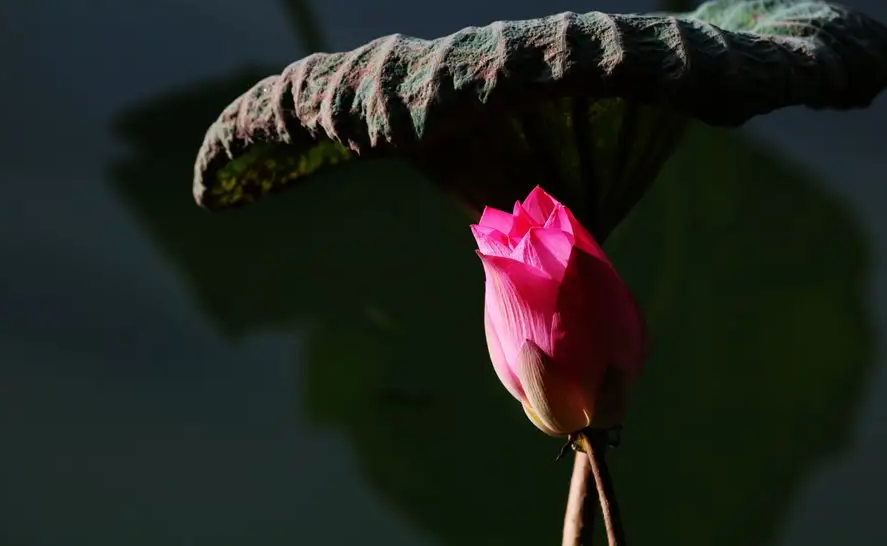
423, 99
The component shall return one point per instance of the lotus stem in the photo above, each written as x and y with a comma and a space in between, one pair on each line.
582, 505
594, 443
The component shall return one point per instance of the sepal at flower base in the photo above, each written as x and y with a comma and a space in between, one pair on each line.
555, 401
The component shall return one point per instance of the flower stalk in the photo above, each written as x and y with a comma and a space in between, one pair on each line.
591, 449
582, 505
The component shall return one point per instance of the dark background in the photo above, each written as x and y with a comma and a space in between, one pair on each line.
311, 370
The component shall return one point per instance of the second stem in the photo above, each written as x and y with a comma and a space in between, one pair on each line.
594, 443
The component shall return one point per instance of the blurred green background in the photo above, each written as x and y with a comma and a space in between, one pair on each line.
311, 369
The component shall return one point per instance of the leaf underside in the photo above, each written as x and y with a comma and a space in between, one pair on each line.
476, 110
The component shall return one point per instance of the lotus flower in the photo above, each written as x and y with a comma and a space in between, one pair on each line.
564, 334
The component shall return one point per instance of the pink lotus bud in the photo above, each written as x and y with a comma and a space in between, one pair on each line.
565, 336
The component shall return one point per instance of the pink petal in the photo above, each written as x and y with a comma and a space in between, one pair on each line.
562, 218
520, 302
500, 364
597, 323
545, 249
559, 220
496, 219
491, 241
553, 394
522, 224
539, 205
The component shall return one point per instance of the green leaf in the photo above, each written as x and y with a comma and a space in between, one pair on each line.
751, 276
754, 282
565, 100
